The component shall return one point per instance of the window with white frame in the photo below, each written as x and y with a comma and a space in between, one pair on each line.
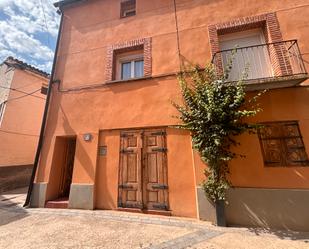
130, 66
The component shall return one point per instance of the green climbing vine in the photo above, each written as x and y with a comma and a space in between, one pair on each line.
215, 111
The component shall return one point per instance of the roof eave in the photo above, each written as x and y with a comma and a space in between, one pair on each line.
65, 3
13, 62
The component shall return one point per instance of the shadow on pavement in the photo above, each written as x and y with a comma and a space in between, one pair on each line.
11, 203
282, 234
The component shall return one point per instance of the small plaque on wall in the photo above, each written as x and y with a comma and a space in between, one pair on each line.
102, 150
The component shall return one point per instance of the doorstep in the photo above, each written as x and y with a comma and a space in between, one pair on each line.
61, 203
141, 211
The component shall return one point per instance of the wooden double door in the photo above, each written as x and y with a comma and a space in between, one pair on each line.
143, 170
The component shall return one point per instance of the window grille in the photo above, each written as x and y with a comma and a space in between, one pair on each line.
282, 144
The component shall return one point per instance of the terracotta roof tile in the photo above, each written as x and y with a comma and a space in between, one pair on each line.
24, 66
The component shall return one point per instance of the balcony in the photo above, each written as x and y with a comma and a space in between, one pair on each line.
271, 65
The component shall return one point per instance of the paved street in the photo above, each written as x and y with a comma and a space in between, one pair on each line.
48, 228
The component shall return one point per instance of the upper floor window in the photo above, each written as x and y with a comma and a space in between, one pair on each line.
282, 144
127, 8
130, 65
247, 51
129, 60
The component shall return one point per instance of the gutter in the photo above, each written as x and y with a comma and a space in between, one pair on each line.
44, 120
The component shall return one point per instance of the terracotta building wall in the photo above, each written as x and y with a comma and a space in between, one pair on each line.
278, 105
180, 173
85, 39
21, 123
82, 61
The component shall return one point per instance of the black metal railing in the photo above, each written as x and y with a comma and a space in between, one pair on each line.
277, 59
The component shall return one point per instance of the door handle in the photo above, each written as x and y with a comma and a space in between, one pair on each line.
125, 186
159, 186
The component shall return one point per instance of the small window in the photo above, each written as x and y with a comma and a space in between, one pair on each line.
130, 66
282, 144
44, 90
128, 8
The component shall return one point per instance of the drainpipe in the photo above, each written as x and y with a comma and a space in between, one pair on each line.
44, 120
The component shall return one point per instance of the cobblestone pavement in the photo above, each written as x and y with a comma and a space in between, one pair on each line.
59, 228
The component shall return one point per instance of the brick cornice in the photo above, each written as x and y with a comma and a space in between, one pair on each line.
145, 44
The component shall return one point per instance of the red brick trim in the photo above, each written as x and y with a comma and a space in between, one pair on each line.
271, 28
113, 50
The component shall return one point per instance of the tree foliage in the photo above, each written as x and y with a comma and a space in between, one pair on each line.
214, 111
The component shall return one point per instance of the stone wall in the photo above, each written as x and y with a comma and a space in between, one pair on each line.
12, 177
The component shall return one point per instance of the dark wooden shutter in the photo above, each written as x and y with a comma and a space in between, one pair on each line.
155, 186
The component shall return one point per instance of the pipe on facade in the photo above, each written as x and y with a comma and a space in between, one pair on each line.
177, 34
44, 120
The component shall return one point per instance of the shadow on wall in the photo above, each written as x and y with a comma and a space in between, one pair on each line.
269, 209
81, 154
58, 157
11, 206
265, 224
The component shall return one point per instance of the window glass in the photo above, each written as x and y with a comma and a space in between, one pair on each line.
128, 8
139, 69
126, 70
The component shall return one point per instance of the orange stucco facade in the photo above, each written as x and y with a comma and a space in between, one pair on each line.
103, 109
22, 115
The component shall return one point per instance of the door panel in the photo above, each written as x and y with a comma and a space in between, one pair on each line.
155, 188
143, 170
130, 182
67, 171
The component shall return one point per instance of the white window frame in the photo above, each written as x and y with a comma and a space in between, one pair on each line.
126, 13
132, 59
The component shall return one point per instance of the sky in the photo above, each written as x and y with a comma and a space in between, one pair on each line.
28, 31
